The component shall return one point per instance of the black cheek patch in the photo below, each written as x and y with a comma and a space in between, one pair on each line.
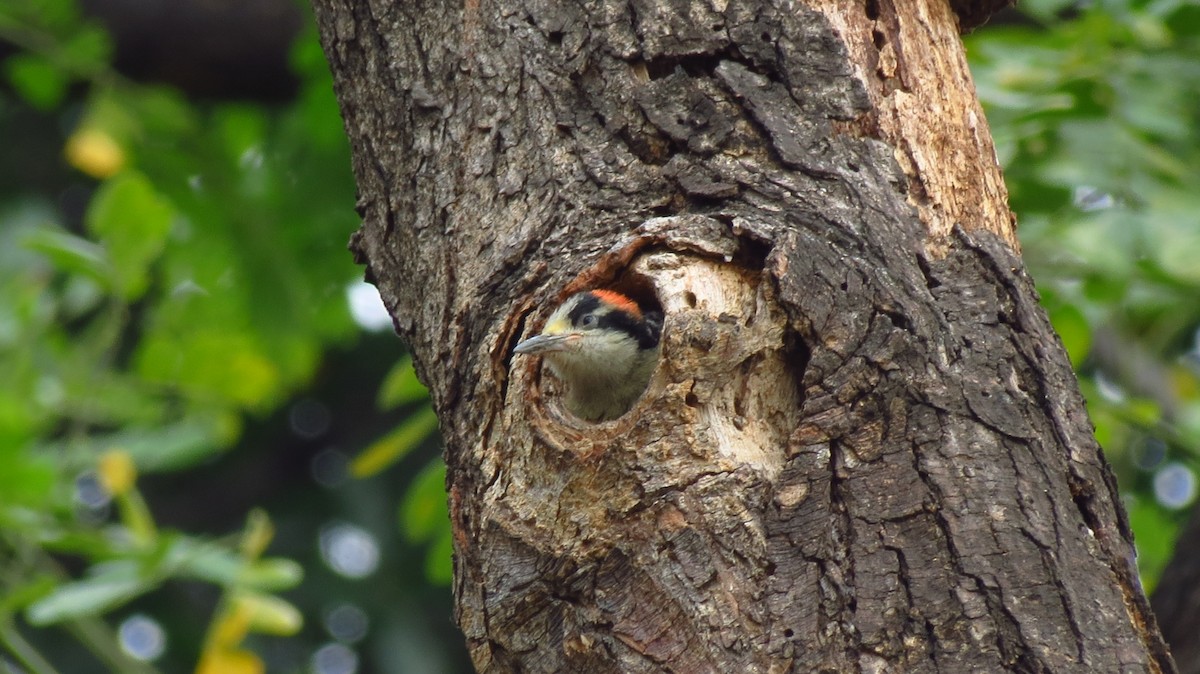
645, 333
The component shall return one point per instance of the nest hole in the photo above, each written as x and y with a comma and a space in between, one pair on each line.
638, 288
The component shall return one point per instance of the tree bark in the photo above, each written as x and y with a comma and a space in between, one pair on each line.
863, 449
1176, 600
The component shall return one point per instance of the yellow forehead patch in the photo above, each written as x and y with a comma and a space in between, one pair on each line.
557, 326
619, 301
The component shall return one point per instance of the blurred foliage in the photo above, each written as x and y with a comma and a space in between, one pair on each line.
173, 277
1097, 123
178, 272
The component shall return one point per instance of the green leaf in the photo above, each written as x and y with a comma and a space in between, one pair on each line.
221, 566
83, 543
272, 574
424, 513
163, 114
241, 130
112, 584
37, 80
401, 386
1073, 329
108, 398
193, 558
1105, 422
1143, 411
269, 614
56, 16
395, 445
16, 598
439, 559
71, 254
173, 447
88, 51
132, 221
80, 296
1046, 10
212, 361
1155, 538
28, 478
161, 448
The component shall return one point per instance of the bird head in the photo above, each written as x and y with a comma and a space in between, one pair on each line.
604, 348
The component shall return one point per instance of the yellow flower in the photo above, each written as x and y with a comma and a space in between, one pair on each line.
95, 153
117, 471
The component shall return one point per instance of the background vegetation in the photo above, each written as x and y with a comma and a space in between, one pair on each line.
215, 456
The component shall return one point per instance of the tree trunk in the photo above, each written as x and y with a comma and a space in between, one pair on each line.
863, 449
1176, 600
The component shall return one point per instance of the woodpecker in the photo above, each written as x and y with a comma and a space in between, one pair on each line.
603, 347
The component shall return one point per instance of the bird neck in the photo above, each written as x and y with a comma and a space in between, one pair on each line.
604, 388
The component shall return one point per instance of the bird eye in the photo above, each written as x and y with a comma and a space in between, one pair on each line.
588, 321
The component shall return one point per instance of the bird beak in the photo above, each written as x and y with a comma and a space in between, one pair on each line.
545, 343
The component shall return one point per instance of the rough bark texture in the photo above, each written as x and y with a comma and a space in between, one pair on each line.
864, 449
